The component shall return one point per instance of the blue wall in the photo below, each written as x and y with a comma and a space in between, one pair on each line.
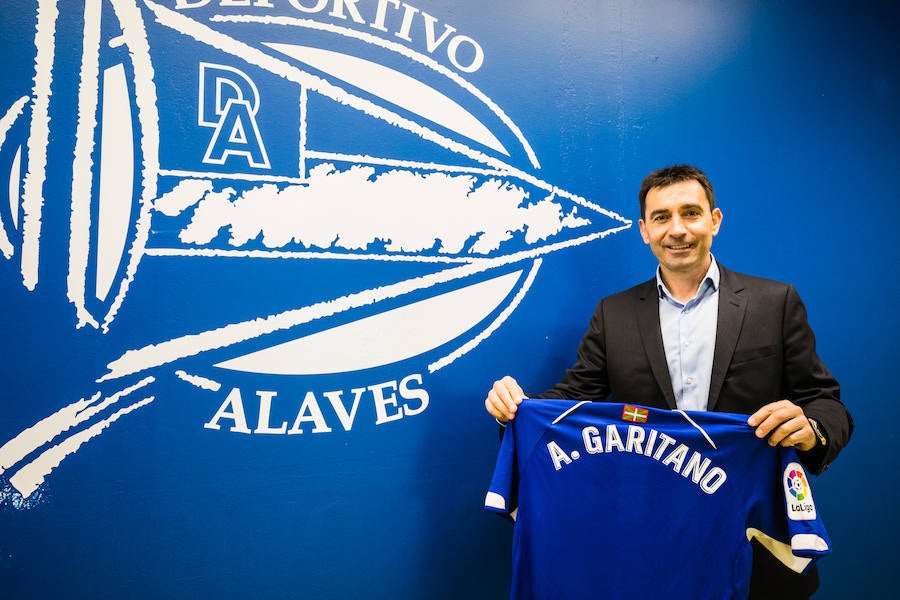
112, 297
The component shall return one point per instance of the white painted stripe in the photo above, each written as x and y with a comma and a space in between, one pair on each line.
62, 420
134, 361
501, 318
42, 432
9, 118
6, 246
6, 123
498, 261
38, 140
301, 151
132, 23
395, 87
198, 381
117, 173
83, 164
31, 476
15, 185
282, 254
416, 328
407, 164
231, 176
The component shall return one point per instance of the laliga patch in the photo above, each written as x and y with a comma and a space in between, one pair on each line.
798, 494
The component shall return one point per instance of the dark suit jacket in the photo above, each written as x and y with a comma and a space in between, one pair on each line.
765, 351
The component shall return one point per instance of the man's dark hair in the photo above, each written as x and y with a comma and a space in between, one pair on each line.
672, 175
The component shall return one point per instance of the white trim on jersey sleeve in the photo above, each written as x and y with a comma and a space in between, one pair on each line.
809, 541
569, 412
783, 552
700, 429
495, 500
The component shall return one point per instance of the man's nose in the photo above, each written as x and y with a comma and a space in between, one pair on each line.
678, 227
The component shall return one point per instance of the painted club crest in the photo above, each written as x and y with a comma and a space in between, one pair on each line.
341, 150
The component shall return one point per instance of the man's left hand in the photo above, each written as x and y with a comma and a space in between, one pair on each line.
785, 424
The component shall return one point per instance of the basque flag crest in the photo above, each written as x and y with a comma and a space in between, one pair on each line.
634, 414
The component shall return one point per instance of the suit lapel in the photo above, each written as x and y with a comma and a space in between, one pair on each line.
651, 338
732, 306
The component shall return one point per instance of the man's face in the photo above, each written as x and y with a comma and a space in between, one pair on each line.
679, 227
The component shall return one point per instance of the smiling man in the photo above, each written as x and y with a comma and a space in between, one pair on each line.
679, 227
700, 337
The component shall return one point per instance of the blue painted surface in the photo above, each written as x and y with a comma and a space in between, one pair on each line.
791, 111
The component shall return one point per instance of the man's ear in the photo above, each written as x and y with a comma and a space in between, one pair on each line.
717, 217
644, 233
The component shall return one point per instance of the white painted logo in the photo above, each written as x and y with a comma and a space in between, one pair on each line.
228, 103
461, 199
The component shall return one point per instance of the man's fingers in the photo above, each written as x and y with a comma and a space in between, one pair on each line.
786, 432
498, 408
766, 413
504, 398
772, 415
510, 392
783, 423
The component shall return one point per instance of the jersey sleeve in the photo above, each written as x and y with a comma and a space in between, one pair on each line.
502, 495
801, 539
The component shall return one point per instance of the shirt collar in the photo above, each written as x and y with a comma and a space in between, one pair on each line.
710, 280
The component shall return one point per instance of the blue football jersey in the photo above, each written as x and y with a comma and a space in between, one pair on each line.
619, 501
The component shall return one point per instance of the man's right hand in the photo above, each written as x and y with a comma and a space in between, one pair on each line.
504, 398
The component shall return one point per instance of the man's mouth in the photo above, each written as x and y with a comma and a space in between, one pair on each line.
680, 246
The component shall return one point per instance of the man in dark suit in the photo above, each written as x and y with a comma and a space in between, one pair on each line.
700, 337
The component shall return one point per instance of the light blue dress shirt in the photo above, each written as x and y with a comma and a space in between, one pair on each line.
689, 338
